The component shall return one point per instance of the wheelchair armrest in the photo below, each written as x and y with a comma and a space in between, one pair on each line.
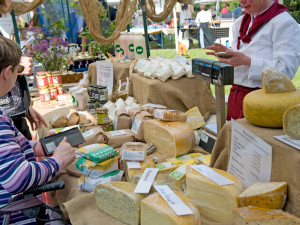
51, 186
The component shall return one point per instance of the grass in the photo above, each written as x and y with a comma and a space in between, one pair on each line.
201, 53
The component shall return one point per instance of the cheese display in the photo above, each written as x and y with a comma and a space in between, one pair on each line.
273, 81
215, 202
194, 118
118, 200
170, 138
266, 107
155, 210
180, 172
291, 122
170, 115
255, 216
168, 167
270, 195
147, 163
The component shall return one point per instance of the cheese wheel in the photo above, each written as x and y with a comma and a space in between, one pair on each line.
291, 122
270, 195
194, 118
155, 210
118, 200
266, 110
261, 216
147, 163
170, 138
215, 202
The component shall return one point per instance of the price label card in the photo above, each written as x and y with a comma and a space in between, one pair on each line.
212, 175
177, 205
133, 165
159, 113
146, 181
118, 132
136, 125
133, 155
88, 133
105, 75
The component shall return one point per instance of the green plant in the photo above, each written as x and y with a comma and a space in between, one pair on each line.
294, 8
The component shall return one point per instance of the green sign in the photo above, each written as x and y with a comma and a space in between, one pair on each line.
118, 48
139, 50
131, 47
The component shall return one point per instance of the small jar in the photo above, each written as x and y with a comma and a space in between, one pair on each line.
90, 89
108, 127
49, 78
96, 92
102, 115
76, 63
91, 106
82, 62
104, 96
64, 78
81, 104
72, 77
88, 61
54, 93
42, 81
45, 95
56, 77
79, 76
60, 91
101, 93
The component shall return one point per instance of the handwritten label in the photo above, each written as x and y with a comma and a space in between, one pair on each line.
146, 181
250, 157
176, 204
212, 175
105, 75
133, 165
133, 155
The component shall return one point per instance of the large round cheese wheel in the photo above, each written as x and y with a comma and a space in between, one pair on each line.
266, 109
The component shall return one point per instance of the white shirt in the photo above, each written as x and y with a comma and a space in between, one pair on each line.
275, 44
203, 17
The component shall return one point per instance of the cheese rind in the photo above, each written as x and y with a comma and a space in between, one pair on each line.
168, 115
194, 118
261, 216
269, 195
147, 163
291, 122
215, 202
170, 138
118, 200
155, 210
266, 110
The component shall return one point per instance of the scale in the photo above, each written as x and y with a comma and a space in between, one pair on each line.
218, 74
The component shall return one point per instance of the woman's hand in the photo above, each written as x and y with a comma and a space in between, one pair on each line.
27, 62
65, 153
238, 59
35, 119
216, 48
38, 149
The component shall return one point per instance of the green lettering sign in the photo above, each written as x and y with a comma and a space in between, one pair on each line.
131, 47
139, 50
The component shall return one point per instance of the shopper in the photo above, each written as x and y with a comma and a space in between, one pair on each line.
202, 20
266, 35
225, 9
237, 12
19, 170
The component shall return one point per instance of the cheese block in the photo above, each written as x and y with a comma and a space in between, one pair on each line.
194, 118
147, 163
168, 167
261, 216
155, 210
273, 81
170, 138
267, 109
170, 115
291, 122
270, 195
118, 200
214, 202
180, 172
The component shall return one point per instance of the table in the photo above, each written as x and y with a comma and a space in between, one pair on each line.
194, 32
285, 160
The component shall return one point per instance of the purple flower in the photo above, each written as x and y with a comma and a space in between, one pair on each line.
54, 41
36, 47
59, 55
65, 43
44, 42
44, 48
45, 55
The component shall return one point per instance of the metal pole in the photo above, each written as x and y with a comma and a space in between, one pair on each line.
71, 30
220, 104
175, 28
62, 8
145, 27
16, 31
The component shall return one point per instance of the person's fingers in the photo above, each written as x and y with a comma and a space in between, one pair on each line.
42, 120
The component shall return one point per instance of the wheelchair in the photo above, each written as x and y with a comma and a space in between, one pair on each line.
31, 206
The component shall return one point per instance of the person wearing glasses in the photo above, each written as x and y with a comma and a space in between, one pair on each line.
17, 101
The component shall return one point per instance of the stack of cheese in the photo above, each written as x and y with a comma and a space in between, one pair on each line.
98, 164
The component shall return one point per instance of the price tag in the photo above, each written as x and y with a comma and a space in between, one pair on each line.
118, 132
212, 175
133, 165
146, 181
159, 113
136, 125
177, 205
88, 133
133, 155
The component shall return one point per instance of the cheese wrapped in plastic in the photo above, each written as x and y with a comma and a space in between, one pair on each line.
151, 70
164, 72
261, 216
147, 163
94, 170
88, 184
269, 195
178, 70
215, 202
155, 210
118, 200
97, 152
170, 115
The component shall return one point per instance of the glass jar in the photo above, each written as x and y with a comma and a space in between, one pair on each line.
42, 81
88, 61
49, 78
60, 91
96, 92
45, 95
91, 106
102, 115
56, 77
90, 89
54, 93
72, 77
75, 63
64, 78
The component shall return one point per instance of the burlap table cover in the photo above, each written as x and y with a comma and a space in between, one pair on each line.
181, 94
285, 160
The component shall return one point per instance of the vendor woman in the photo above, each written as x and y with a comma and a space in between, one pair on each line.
267, 35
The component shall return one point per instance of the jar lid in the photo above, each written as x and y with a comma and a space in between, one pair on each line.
64, 74
44, 91
102, 110
91, 101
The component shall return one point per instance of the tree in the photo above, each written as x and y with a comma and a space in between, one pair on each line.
294, 8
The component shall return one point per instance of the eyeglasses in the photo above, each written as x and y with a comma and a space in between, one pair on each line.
20, 69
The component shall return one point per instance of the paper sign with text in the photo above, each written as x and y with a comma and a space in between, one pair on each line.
290, 141
250, 157
105, 75
146, 181
133, 165
133, 155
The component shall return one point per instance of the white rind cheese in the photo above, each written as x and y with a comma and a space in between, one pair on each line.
291, 122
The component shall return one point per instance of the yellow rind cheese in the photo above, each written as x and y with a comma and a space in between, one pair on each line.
266, 110
118, 200
291, 122
147, 163
194, 118
215, 202
170, 115
155, 210
170, 138
270, 195
261, 216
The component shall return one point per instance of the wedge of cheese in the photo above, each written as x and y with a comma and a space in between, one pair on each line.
214, 202
155, 210
194, 118
273, 81
118, 200
291, 122
147, 163
269, 195
255, 216
170, 115
170, 138
168, 167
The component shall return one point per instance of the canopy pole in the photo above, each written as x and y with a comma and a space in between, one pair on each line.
70, 24
145, 27
16, 31
175, 28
